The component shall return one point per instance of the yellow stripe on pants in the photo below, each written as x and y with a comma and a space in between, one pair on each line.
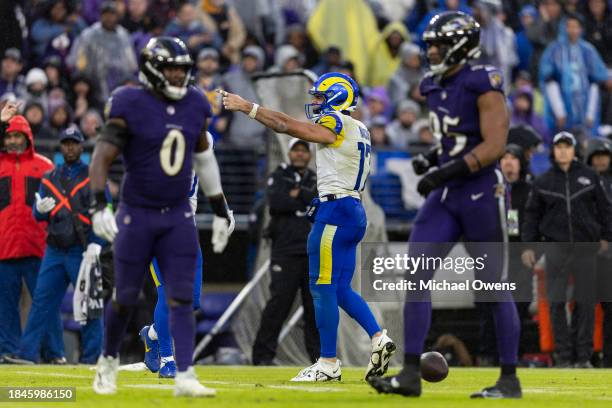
153, 274
325, 255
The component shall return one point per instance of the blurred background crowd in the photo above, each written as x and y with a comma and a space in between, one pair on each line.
63, 58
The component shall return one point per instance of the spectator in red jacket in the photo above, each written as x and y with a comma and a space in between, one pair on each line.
22, 238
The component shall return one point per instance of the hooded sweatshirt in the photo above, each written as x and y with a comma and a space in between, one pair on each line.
20, 174
529, 118
570, 74
383, 64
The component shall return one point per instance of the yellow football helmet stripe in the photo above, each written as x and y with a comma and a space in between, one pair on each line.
324, 86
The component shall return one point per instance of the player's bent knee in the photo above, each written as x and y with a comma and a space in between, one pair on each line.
319, 291
182, 291
172, 302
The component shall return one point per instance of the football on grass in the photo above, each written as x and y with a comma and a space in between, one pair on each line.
433, 366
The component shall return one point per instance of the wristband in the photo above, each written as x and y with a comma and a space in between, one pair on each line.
253, 111
98, 202
219, 206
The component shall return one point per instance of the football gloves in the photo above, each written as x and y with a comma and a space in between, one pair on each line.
432, 180
104, 224
222, 228
44, 205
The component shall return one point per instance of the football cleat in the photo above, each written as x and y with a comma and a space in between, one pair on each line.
105, 381
383, 349
168, 370
406, 383
151, 358
187, 385
320, 372
508, 386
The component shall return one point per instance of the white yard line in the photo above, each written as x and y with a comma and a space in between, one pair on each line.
50, 374
149, 386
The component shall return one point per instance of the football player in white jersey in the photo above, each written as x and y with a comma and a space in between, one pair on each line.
343, 165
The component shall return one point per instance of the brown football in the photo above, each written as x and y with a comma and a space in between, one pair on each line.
433, 366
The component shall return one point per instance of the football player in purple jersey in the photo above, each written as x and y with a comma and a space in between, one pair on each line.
160, 129
464, 191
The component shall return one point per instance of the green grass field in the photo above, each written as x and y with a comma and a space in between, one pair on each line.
269, 387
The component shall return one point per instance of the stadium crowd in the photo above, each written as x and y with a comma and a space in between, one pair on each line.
63, 58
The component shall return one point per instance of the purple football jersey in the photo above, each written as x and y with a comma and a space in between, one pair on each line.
453, 104
163, 136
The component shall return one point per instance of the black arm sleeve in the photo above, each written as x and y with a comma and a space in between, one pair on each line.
114, 134
219, 206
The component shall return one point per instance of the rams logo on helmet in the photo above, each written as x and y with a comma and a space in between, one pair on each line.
339, 92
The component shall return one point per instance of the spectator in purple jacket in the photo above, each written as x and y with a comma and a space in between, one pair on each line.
523, 113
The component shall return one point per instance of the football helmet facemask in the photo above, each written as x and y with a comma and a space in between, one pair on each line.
161, 52
457, 37
339, 91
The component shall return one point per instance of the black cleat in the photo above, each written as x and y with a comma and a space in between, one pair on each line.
508, 386
406, 383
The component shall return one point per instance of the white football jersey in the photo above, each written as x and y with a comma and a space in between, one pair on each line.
343, 166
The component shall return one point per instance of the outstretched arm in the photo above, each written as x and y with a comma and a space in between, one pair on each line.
278, 121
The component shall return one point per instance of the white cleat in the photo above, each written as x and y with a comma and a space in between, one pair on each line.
383, 349
320, 371
187, 385
105, 381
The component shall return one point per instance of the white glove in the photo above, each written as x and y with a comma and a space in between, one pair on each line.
92, 253
221, 231
104, 224
44, 205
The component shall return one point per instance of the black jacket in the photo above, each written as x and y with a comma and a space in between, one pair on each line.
69, 222
606, 179
289, 227
567, 207
519, 191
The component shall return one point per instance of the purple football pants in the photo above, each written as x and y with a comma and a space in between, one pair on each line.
474, 210
170, 236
